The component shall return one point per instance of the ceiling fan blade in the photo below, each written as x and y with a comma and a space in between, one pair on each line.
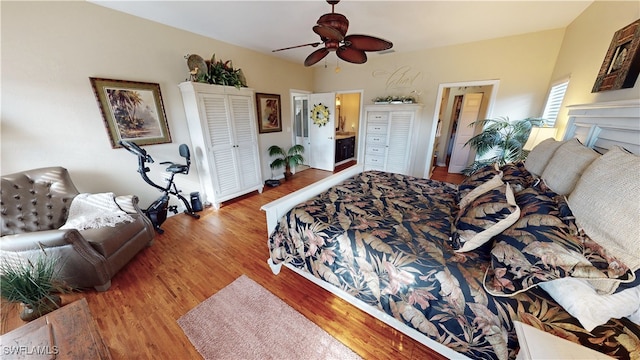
315, 56
368, 43
315, 44
327, 32
351, 55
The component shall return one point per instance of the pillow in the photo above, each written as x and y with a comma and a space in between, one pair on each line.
517, 176
606, 204
484, 217
476, 179
495, 182
635, 317
539, 157
541, 247
566, 166
582, 301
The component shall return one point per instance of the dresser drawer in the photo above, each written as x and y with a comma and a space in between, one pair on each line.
374, 160
374, 128
376, 150
376, 140
373, 167
375, 116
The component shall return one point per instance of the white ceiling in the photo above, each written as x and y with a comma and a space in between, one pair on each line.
265, 25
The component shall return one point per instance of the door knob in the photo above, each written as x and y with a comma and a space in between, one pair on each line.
330, 138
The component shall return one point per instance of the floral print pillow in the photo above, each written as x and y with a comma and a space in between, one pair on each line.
476, 179
517, 176
484, 217
543, 245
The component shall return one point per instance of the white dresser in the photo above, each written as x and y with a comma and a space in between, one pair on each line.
223, 129
389, 137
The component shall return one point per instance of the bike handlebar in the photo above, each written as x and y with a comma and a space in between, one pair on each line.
136, 150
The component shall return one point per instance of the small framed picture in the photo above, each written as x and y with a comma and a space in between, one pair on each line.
621, 64
269, 113
132, 111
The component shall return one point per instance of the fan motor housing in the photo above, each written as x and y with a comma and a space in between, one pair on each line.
336, 21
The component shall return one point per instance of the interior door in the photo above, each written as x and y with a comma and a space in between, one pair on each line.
322, 138
301, 125
468, 114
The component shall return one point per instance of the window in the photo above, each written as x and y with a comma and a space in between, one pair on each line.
554, 102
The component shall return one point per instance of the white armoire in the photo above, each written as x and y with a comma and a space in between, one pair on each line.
389, 137
224, 137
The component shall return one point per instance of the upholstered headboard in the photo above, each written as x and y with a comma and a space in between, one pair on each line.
603, 125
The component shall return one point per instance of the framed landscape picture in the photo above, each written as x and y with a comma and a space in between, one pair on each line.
621, 64
269, 113
132, 111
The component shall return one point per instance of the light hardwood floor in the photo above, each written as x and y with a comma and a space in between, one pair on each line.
194, 259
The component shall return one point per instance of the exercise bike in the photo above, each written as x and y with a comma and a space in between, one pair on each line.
157, 211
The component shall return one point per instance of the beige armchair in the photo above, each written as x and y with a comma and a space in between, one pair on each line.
35, 204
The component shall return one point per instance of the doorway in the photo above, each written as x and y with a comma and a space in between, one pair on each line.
447, 113
333, 144
458, 154
301, 124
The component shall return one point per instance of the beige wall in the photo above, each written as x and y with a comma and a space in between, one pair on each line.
584, 46
50, 49
49, 112
523, 64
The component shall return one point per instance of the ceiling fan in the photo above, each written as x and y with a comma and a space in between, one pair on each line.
332, 29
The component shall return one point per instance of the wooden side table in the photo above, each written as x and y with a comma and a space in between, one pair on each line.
66, 333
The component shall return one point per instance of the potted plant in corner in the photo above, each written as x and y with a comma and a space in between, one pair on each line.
32, 283
502, 139
289, 159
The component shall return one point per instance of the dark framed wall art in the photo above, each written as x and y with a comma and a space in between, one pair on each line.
269, 113
621, 65
132, 111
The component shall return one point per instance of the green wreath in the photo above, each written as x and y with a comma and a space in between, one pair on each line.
320, 114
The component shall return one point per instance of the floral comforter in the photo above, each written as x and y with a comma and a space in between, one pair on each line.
385, 239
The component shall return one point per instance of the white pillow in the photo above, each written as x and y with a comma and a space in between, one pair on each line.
581, 300
606, 204
566, 165
540, 155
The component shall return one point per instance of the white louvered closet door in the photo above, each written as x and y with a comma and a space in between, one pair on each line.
399, 141
247, 160
220, 134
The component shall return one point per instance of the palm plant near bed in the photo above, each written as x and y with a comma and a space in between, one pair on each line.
288, 159
502, 140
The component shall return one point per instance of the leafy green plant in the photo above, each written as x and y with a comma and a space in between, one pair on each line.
222, 73
502, 140
32, 283
288, 159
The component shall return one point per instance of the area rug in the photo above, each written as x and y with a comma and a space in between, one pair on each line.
246, 321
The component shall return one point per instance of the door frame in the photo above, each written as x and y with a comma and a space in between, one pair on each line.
434, 124
359, 146
293, 93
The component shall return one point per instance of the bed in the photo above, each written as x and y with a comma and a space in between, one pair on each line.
455, 266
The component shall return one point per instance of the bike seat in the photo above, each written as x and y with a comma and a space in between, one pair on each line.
176, 168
